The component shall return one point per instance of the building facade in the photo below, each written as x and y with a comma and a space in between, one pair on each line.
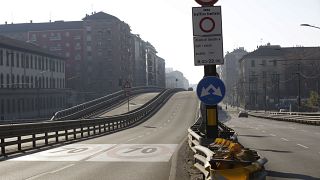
32, 81
230, 72
273, 77
101, 53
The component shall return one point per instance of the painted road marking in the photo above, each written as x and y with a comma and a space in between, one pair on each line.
303, 130
263, 131
272, 135
131, 139
284, 139
72, 152
51, 172
103, 152
137, 153
303, 146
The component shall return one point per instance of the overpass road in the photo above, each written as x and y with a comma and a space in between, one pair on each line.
292, 149
146, 151
134, 103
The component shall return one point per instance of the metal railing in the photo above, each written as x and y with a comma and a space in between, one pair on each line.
91, 107
297, 117
24, 137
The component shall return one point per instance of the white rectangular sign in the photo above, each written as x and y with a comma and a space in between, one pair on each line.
208, 50
207, 21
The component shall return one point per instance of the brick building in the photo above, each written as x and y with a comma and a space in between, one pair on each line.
100, 52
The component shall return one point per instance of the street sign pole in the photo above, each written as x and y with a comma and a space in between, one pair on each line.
211, 110
211, 31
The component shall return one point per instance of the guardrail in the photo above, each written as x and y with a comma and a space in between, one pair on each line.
302, 118
90, 107
52, 132
206, 159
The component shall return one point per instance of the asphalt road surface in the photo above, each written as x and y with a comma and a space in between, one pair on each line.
145, 152
134, 103
293, 150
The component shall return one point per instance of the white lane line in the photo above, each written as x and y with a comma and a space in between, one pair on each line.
292, 127
168, 120
62, 168
131, 139
272, 135
284, 139
50, 172
140, 136
303, 130
263, 131
303, 146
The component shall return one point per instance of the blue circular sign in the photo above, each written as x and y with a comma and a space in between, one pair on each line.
211, 90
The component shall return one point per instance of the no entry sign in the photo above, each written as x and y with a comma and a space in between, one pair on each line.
206, 2
206, 21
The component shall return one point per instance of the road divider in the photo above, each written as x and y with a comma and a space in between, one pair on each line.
225, 158
302, 118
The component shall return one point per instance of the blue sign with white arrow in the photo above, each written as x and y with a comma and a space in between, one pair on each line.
211, 90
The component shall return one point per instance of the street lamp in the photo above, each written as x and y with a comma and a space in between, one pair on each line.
310, 26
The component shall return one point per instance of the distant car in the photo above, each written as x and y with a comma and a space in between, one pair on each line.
283, 110
243, 114
190, 89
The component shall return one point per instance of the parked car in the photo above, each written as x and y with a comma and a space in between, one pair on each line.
243, 114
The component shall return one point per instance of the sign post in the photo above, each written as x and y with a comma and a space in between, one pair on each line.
208, 51
127, 89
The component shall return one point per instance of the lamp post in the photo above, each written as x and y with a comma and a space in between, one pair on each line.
308, 25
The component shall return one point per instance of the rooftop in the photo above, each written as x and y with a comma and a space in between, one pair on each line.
24, 46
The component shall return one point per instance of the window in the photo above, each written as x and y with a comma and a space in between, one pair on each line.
18, 59
42, 63
1, 57
35, 62
274, 63
252, 63
12, 81
1, 80
33, 37
7, 59
18, 81
27, 61
12, 59
31, 83
47, 62
31, 61
8, 80
22, 61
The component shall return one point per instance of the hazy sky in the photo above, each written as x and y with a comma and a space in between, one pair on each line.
167, 24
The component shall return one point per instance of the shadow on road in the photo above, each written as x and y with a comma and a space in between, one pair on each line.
289, 175
273, 150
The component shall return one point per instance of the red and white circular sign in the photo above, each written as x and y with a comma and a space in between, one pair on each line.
206, 2
207, 24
